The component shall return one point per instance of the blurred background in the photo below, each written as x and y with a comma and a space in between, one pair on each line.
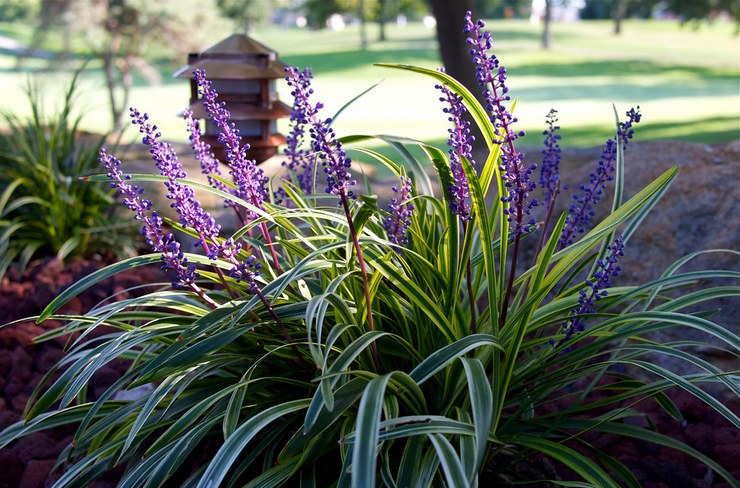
678, 59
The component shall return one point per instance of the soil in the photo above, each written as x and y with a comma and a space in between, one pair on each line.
29, 462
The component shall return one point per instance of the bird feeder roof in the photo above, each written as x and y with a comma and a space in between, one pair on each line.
237, 57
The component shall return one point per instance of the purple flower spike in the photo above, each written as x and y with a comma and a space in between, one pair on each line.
335, 161
188, 208
299, 160
550, 169
594, 290
398, 221
151, 229
250, 181
582, 209
459, 142
202, 151
517, 178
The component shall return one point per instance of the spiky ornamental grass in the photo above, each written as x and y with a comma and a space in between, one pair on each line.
285, 382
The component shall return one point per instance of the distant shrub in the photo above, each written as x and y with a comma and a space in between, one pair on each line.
46, 209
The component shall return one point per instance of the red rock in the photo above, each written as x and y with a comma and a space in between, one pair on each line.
19, 401
8, 417
701, 437
727, 455
36, 473
14, 386
654, 484
35, 446
11, 466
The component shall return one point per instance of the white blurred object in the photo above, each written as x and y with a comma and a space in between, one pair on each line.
336, 23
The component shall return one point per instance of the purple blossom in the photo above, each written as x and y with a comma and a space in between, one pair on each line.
188, 208
250, 181
550, 168
151, 229
594, 290
517, 178
582, 209
398, 221
247, 270
299, 160
459, 142
202, 151
323, 139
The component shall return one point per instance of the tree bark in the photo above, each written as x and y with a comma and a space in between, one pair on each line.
452, 46
453, 50
546, 21
363, 31
618, 12
382, 20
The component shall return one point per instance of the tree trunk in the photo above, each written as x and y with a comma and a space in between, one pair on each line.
618, 12
453, 50
546, 21
382, 20
363, 32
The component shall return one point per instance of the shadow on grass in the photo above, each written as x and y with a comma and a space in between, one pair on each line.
621, 67
716, 130
713, 130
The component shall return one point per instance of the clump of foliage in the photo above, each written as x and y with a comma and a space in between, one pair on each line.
45, 207
343, 345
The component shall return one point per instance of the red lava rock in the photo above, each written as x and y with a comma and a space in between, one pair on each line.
11, 466
28, 461
8, 417
727, 454
35, 446
36, 473
701, 437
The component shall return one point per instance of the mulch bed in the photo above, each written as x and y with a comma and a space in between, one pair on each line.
28, 462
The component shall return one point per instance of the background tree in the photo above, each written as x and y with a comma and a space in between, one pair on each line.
125, 34
619, 9
695, 11
50, 15
546, 21
246, 13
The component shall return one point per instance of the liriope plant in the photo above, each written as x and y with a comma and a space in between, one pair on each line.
331, 342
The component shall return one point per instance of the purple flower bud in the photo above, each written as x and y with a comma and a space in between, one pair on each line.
151, 229
550, 168
398, 221
208, 162
250, 181
333, 158
517, 178
247, 271
299, 160
187, 207
460, 146
582, 208
594, 290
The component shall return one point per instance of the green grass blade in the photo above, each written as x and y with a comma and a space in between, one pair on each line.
364, 454
230, 451
585, 468
481, 401
451, 465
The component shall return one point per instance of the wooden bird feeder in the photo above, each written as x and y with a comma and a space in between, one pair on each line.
243, 72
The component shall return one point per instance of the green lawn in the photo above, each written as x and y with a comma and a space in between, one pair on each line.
686, 82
